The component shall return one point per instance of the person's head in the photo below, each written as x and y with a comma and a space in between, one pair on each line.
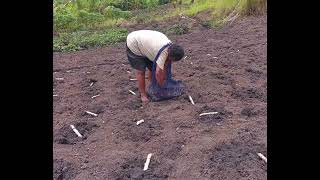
175, 52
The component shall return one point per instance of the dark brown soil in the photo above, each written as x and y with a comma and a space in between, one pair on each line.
63, 170
65, 135
225, 70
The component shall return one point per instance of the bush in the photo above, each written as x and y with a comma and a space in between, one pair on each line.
63, 17
63, 21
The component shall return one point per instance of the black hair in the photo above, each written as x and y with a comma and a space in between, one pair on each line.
176, 52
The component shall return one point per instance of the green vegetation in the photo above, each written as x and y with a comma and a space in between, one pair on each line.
79, 24
228, 10
84, 39
177, 29
199, 6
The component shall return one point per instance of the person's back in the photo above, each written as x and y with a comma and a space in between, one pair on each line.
147, 43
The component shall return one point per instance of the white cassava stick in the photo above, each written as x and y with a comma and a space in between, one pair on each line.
262, 157
208, 113
191, 99
55, 95
128, 72
75, 130
147, 162
95, 96
139, 122
133, 79
91, 84
91, 113
132, 92
59, 79
185, 57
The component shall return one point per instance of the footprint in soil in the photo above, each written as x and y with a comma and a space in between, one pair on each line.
142, 133
132, 169
245, 94
235, 160
66, 135
63, 170
214, 118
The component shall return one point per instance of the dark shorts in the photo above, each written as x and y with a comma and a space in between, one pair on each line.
138, 62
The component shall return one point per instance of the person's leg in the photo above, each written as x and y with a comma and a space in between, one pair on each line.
139, 63
141, 85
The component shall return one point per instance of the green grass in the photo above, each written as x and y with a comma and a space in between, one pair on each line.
85, 39
199, 6
98, 24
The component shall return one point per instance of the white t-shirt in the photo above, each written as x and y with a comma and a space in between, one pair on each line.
147, 43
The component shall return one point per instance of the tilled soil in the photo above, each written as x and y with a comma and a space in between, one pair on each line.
225, 70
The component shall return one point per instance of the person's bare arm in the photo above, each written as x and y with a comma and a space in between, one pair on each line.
161, 74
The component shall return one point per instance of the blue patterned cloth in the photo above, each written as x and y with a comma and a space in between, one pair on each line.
170, 89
